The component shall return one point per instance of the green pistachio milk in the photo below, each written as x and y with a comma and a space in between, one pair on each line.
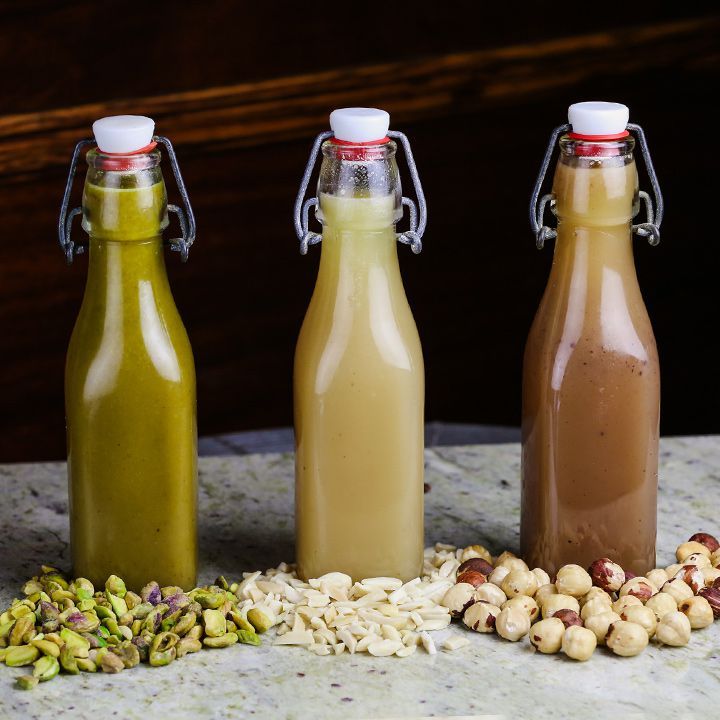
130, 392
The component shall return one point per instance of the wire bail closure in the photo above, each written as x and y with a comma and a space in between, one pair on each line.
185, 215
411, 237
654, 215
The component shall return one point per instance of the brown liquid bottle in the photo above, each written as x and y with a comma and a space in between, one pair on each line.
591, 377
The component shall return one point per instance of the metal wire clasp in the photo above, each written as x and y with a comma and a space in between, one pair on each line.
185, 215
411, 237
649, 229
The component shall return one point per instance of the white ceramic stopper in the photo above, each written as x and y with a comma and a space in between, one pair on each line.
123, 133
598, 118
359, 124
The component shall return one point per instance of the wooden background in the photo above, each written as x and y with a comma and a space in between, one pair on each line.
243, 88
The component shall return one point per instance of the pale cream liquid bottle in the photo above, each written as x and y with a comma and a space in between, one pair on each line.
359, 376
591, 379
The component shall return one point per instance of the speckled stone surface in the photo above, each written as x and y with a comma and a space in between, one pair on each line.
246, 523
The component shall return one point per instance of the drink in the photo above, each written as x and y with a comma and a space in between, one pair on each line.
359, 381
130, 382
591, 379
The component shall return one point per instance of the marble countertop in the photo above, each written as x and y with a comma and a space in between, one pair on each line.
246, 524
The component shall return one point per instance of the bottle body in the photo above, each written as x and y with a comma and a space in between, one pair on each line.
591, 380
359, 402
130, 398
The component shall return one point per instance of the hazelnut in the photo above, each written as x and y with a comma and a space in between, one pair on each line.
689, 548
458, 598
693, 576
547, 635
698, 612
625, 601
525, 603
545, 591
512, 563
477, 564
568, 617
600, 624
480, 616
674, 629
553, 603
658, 577
595, 607
573, 580
712, 595
640, 588
716, 584
513, 623
673, 570
702, 561
594, 593
476, 551
626, 638
711, 575
629, 575
490, 593
707, 540
541, 576
519, 582
643, 616
678, 588
607, 575
471, 577
498, 575
715, 558
504, 556
661, 604
579, 643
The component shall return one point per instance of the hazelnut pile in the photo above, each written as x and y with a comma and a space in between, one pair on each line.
582, 609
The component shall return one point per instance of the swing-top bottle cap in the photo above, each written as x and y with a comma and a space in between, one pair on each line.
601, 120
359, 125
124, 134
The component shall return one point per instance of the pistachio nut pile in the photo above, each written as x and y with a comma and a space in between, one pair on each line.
70, 627
582, 609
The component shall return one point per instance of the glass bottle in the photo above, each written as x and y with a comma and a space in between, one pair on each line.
591, 378
130, 377
359, 376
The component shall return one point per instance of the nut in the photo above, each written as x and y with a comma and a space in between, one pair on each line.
678, 588
541, 576
512, 623
480, 616
222, 641
519, 582
711, 575
600, 624
498, 575
672, 570
693, 576
46, 668
594, 593
68, 661
702, 561
607, 575
568, 618
512, 563
458, 598
658, 577
547, 635
478, 564
674, 629
596, 607
573, 580
116, 586
626, 638
689, 548
661, 604
524, 603
698, 611
476, 551
625, 601
490, 593
579, 643
707, 540
504, 556
712, 595
472, 577
715, 558
20, 655
215, 624
641, 615
544, 591
638, 587
553, 603
27, 682
261, 618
